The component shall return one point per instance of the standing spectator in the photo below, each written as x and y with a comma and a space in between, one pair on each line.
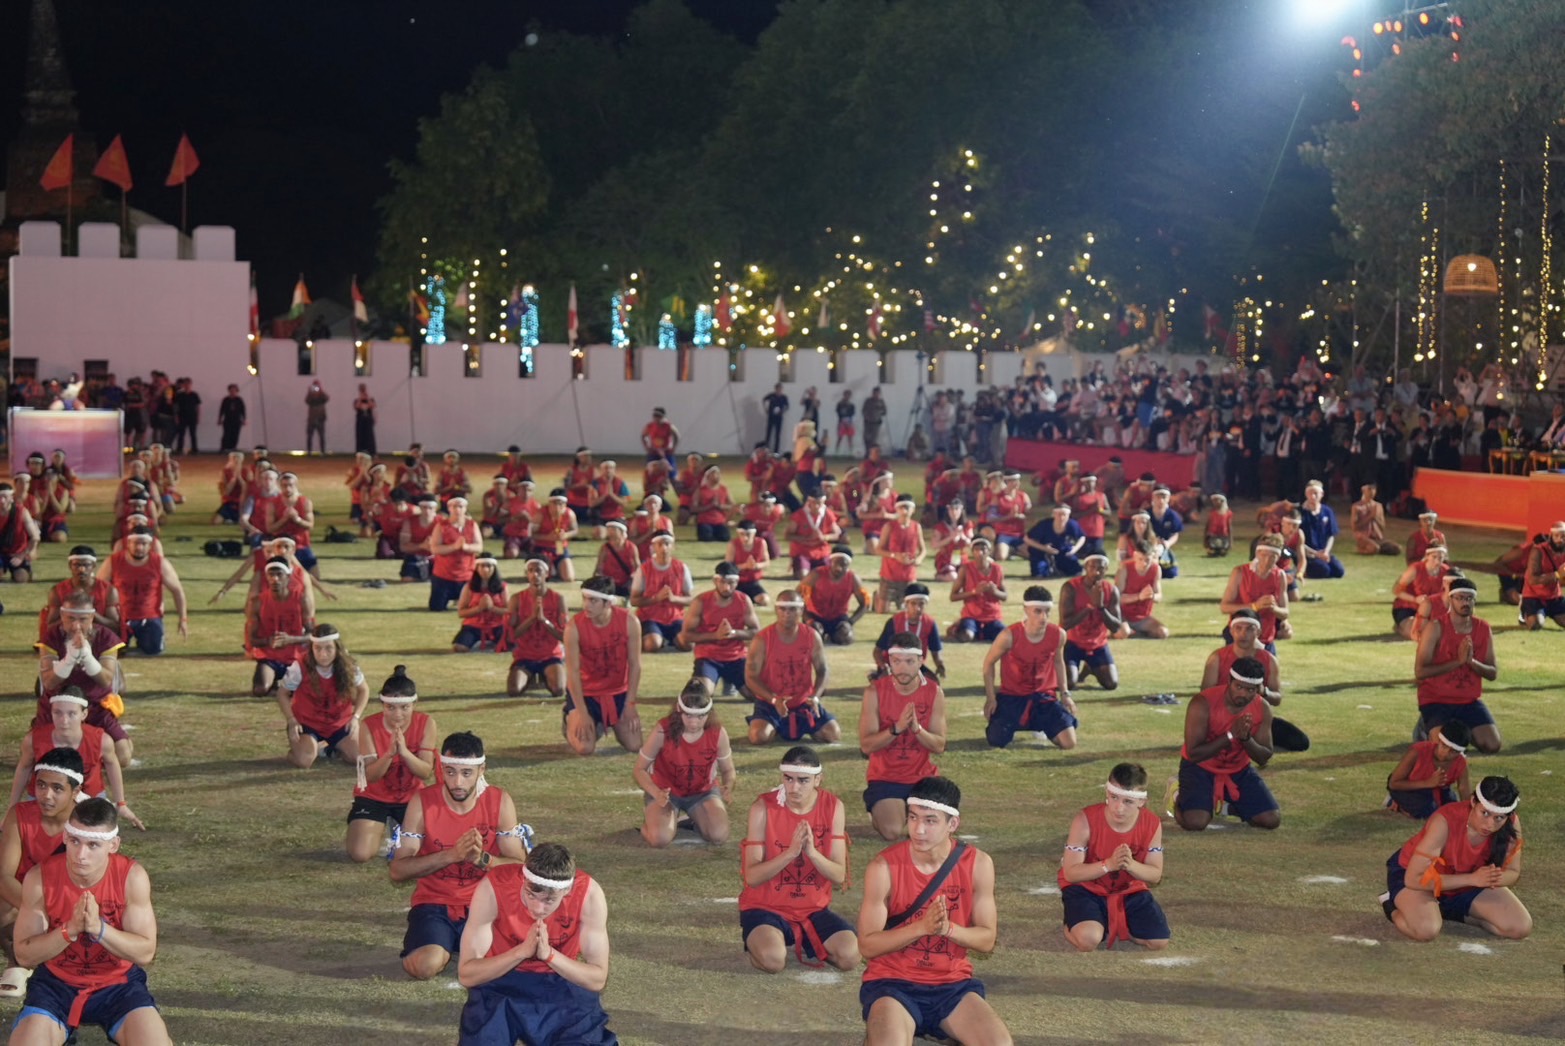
231, 415
874, 417
776, 406
363, 423
942, 420
135, 407
810, 411
162, 408
315, 421
847, 410
110, 396
187, 414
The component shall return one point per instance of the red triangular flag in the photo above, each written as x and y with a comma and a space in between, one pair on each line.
255, 311
782, 326
114, 166
185, 162
59, 172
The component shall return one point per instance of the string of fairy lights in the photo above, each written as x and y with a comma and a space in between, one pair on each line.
1428, 287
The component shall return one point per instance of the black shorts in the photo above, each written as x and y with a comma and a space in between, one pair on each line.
432, 924
366, 809
927, 1004
536, 668
534, 1007
825, 923
106, 1008
879, 790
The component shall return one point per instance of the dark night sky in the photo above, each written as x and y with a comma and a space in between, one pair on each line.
294, 108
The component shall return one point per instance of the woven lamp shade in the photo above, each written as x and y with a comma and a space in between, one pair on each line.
1471, 274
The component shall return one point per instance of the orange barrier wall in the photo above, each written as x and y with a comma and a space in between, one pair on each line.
1527, 503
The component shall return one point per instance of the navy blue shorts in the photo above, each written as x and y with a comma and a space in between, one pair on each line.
1401, 614
279, 668
927, 1004
366, 809
332, 740
1196, 791
730, 672
415, 568
306, 557
471, 637
595, 708
825, 923
1143, 915
827, 625
432, 924
443, 592
1041, 712
752, 589
1075, 656
685, 803
228, 512
536, 668
986, 630
802, 722
1011, 540
534, 1008
669, 633
1453, 906
1531, 607
107, 1008
148, 634
879, 790
1474, 715
1331, 568
1421, 805
712, 532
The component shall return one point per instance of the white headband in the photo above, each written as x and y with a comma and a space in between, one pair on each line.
932, 805
453, 501
792, 604
79, 611
617, 523
848, 556
83, 558
610, 599
1493, 808
83, 833
331, 636
283, 567
1125, 793
462, 760
799, 768
541, 562
70, 699
1037, 602
1450, 743
692, 711
62, 771
1096, 555
551, 884
1234, 672
398, 699
911, 650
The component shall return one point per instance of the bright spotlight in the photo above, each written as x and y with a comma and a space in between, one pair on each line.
1320, 12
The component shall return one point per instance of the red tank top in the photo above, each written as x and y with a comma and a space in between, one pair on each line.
1459, 856
1006, 505
686, 768
1219, 720
1105, 840
489, 620
317, 704
1424, 584
1092, 634
829, 596
458, 565
536, 644
1028, 667
1135, 581
1550, 563
957, 548
1226, 656
83, 964
298, 531
898, 537
267, 513
91, 749
1219, 524
805, 528
578, 481
1424, 767
140, 587
37, 845
608, 508
654, 578
904, 760
799, 889
981, 608
738, 554
1461, 686
399, 784
710, 615
642, 529
618, 564
454, 884
929, 959
100, 594
513, 922
886, 504
1253, 586
789, 667
603, 654
711, 503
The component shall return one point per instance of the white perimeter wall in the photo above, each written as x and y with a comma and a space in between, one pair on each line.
191, 318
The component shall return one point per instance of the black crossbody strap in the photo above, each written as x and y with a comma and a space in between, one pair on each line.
937, 881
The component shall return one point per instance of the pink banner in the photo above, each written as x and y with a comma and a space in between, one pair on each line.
93, 440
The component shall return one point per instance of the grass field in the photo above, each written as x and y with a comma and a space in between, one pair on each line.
269, 935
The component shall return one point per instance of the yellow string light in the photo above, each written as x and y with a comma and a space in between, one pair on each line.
1545, 274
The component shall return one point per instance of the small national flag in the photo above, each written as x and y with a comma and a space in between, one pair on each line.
462, 299
361, 313
782, 326
301, 299
517, 308
255, 311
1032, 318
825, 320
418, 308
185, 162
59, 173
929, 321
114, 166
874, 323
572, 319
1214, 324
725, 313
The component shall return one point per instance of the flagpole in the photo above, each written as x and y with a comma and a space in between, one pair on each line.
124, 213
70, 194
184, 210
